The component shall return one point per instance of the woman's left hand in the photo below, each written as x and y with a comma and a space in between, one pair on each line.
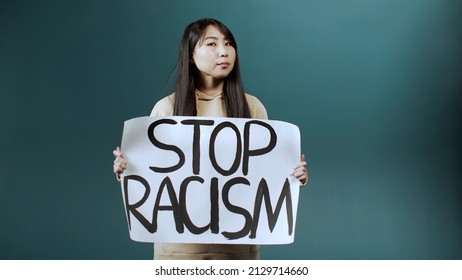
300, 171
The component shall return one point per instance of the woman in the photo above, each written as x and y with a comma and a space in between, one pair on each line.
208, 83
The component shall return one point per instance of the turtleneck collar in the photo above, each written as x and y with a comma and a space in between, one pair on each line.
202, 96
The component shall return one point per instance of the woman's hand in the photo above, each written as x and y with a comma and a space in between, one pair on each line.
120, 163
300, 171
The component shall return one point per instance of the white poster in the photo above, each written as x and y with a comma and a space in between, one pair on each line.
210, 180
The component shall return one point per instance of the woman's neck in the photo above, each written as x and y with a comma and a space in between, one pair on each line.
211, 86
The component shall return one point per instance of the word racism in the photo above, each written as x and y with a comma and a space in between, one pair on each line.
210, 180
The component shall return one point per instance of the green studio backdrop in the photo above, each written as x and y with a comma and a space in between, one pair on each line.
375, 87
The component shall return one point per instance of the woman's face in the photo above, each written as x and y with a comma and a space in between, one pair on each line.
214, 56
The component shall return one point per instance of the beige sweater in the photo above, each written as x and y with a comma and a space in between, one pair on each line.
209, 106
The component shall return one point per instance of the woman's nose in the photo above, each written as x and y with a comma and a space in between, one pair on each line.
223, 52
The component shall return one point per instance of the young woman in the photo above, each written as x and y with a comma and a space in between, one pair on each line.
208, 83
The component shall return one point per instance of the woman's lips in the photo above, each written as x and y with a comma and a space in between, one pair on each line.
224, 64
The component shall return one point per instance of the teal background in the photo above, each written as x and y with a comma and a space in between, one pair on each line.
375, 87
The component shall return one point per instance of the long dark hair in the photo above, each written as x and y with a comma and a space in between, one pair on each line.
187, 74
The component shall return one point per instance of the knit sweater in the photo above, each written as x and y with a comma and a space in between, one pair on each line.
209, 106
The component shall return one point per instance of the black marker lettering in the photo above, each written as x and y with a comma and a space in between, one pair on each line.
164, 146
132, 208
236, 209
174, 207
196, 141
184, 211
257, 152
237, 157
214, 208
263, 193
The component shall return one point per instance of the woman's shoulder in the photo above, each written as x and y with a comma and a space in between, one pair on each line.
257, 109
164, 107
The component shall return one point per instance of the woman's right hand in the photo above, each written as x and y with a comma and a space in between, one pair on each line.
120, 163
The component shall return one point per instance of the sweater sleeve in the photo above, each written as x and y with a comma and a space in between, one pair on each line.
257, 110
163, 107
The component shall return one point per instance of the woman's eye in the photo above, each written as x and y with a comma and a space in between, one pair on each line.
211, 44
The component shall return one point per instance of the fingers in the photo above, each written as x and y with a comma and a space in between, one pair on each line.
120, 163
118, 153
119, 168
120, 160
300, 171
302, 179
300, 167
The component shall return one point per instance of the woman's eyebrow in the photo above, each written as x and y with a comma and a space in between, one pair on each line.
215, 38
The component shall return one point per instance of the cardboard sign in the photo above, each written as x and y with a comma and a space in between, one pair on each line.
210, 180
